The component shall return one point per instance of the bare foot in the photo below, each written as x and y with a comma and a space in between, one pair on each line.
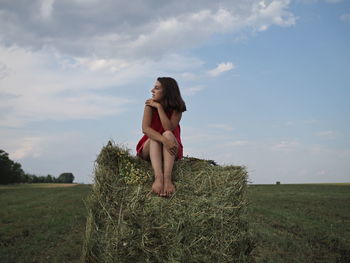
169, 188
157, 186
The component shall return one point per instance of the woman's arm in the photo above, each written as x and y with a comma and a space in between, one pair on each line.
146, 126
166, 123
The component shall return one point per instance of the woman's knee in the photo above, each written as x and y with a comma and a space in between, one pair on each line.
171, 136
168, 134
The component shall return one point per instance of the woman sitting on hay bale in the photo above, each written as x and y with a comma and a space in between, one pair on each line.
161, 143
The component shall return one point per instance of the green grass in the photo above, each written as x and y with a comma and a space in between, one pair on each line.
41, 224
301, 223
290, 223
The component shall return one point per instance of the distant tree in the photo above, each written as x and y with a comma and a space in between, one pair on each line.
42, 179
49, 178
66, 178
35, 179
29, 178
25, 178
54, 179
10, 171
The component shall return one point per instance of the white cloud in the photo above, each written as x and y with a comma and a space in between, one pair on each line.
21, 145
285, 146
221, 126
334, 1
47, 86
38, 91
187, 76
321, 172
4, 71
222, 67
191, 90
316, 1
95, 64
345, 17
273, 13
29, 146
133, 30
196, 135
46, 8
326, 133
65, 61
310, 121
239, 143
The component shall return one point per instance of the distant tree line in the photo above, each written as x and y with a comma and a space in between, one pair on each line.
11, 172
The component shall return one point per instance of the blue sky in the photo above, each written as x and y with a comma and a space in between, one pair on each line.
266, 83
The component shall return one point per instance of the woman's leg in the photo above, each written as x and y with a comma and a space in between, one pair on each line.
155, 152
145, 150
169, 160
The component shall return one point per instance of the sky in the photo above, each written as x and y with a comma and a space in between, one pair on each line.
266, 83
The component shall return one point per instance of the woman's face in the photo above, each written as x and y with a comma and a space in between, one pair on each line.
157, 92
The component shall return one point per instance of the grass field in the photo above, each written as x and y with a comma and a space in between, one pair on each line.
301, 223
42, 222
290, 223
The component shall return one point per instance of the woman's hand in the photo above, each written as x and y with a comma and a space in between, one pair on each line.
152, 103
171, 146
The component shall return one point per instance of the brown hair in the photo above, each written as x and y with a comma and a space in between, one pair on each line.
172, 97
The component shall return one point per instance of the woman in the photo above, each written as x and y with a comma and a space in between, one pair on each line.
161, 143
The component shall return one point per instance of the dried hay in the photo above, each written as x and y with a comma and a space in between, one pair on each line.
204, 221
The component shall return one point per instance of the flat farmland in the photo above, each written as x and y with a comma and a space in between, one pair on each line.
289, 223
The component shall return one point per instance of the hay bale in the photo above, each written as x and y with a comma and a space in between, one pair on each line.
204, 221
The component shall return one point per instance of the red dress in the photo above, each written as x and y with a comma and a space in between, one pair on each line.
156, 125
